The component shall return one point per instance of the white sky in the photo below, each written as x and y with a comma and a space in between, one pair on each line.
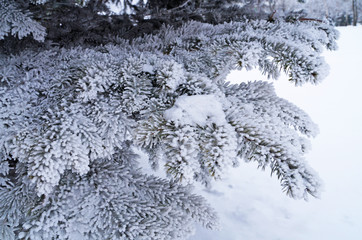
252, 205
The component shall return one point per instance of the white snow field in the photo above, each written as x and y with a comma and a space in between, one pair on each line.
251, 204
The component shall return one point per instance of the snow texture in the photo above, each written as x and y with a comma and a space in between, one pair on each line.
196, 110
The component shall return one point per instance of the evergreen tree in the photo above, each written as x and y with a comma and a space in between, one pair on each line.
82, 88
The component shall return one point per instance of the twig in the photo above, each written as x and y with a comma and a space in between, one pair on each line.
310, 19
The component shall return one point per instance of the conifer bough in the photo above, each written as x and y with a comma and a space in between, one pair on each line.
81, 89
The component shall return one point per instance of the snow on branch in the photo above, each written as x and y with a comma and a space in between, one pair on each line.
18, 23
70, 117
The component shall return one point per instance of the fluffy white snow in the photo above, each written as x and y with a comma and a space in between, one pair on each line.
196, 110
251, 204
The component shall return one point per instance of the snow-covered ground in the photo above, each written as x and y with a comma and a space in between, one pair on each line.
251, 204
